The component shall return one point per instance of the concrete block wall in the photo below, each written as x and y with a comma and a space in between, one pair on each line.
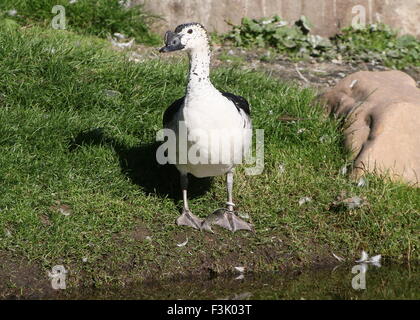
327, 16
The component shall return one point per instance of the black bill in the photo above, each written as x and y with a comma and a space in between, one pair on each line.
172, 42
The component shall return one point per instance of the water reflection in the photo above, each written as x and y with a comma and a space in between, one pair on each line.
388, 282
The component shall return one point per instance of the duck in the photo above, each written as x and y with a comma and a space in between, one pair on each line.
216, 127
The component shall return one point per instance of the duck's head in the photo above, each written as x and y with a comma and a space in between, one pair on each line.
188, 36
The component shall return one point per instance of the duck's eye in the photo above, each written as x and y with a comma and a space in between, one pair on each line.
190, 31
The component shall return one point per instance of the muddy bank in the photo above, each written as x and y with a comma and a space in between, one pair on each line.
205, 256
20, 278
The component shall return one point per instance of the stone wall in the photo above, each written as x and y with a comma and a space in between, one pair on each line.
327, 16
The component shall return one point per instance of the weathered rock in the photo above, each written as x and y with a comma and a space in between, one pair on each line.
381, 112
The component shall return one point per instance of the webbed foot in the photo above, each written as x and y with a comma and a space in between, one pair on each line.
187, 218
225, 219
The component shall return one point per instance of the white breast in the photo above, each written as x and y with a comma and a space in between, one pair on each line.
211, 111
216, 134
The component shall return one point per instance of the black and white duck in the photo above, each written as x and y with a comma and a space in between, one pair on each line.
206, 111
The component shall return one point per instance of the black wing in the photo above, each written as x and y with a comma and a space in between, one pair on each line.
169, 114
240, 102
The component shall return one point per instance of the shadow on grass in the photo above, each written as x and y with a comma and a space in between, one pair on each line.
140, 166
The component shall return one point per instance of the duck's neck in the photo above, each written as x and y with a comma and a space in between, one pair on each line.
199, 75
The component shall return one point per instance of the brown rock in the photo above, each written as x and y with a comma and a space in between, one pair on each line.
381, 112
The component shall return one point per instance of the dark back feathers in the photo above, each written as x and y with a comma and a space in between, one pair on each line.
172, 110
240, 102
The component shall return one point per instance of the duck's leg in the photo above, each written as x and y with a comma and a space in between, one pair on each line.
187, 218
226, 218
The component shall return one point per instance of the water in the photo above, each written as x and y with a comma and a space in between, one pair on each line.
387, 282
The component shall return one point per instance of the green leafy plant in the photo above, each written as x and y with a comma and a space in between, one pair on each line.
294, 40
376, 42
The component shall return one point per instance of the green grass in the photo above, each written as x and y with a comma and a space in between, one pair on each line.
90, 17
63, 140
